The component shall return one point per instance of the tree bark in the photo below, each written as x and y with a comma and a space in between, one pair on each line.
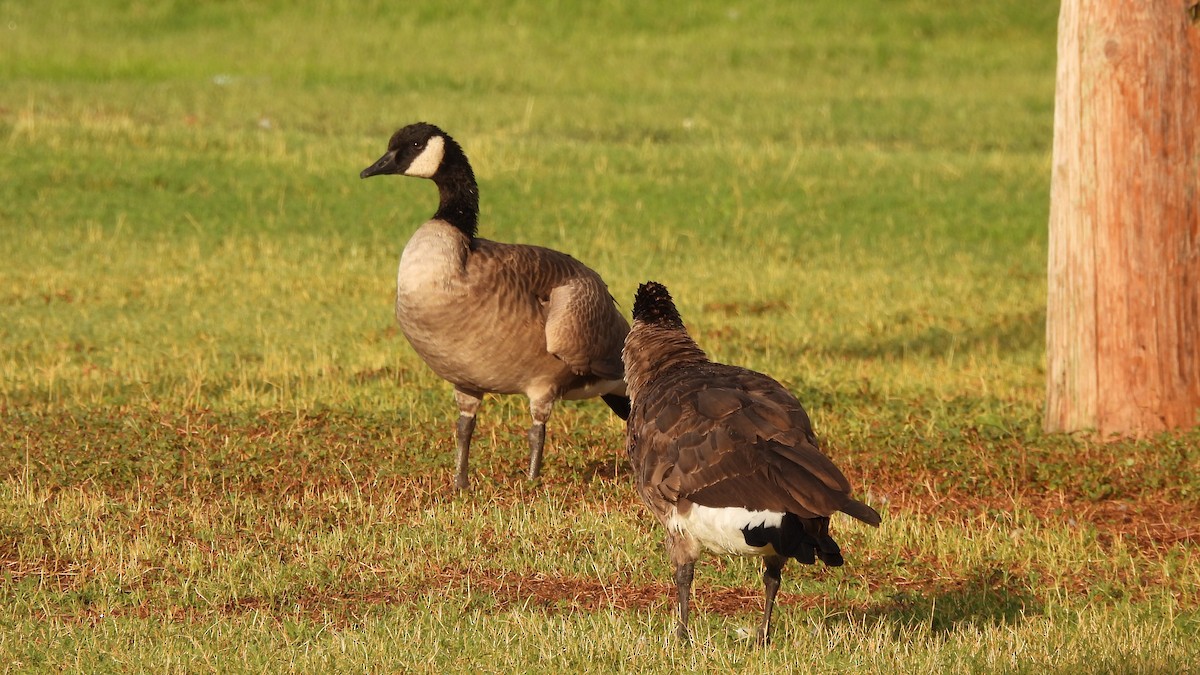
1123, 305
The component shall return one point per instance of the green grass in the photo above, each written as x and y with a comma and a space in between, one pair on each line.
218, 453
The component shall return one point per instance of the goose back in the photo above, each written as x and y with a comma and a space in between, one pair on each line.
715, 435
506, 318
732, 441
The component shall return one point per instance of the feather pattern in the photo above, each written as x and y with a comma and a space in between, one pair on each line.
732, 437
725, 457
491, 317
538, 319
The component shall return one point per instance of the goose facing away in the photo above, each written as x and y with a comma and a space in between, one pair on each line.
725, 458
497, 318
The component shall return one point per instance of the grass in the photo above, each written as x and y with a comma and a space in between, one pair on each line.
218, 453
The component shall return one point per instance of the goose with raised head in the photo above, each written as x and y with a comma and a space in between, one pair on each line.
725, 458
497, 318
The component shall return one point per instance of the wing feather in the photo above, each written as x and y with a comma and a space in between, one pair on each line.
583, 326
726, 436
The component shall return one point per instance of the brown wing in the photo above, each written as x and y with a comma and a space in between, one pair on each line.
719, 435
583, 326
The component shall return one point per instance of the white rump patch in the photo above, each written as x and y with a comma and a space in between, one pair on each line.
720, 529
426, 164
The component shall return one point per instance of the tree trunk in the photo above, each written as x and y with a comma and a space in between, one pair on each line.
1123, 310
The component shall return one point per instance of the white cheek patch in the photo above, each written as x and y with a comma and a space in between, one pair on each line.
426, 164
720, 529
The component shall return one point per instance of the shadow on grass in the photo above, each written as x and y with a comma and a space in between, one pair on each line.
988, 597
612, 469
1005, 334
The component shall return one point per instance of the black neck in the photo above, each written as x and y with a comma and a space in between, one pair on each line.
459, 193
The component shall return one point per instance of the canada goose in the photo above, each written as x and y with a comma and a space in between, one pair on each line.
725, 457
497, 318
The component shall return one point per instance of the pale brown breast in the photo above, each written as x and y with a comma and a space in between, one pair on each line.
476, 312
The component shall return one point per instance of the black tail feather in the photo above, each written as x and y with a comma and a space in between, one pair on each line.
619, 404
829, 552
805, 539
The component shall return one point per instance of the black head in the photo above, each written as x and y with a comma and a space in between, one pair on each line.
653, 304
416, 150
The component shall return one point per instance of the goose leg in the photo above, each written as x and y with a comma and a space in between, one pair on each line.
468, 405
540, 409
772, 577
684, 573
537, 441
